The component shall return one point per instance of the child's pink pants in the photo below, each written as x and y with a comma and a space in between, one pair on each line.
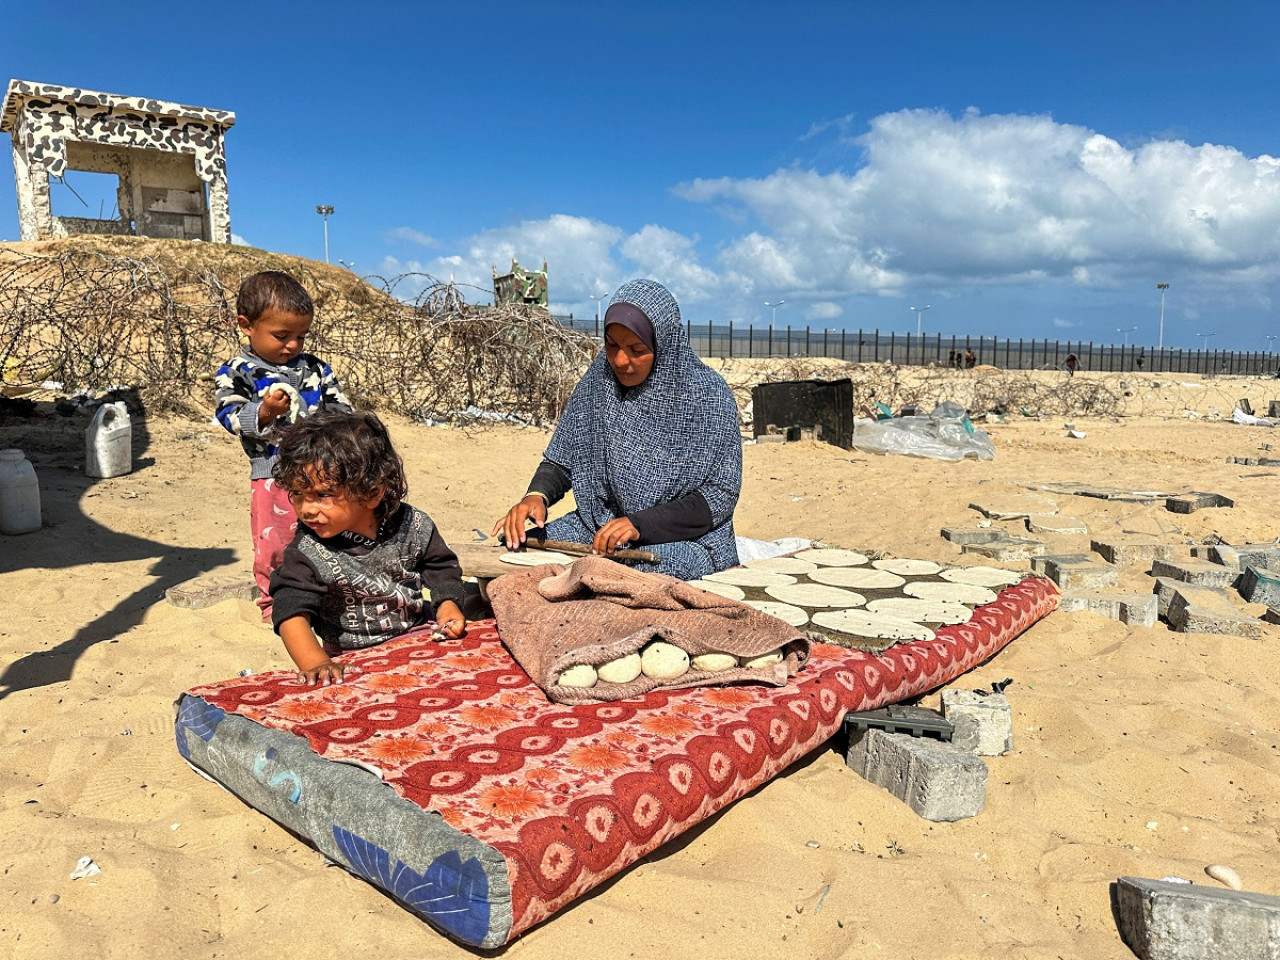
273, 522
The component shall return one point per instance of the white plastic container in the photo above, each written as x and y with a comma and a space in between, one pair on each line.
108, 442
19, 494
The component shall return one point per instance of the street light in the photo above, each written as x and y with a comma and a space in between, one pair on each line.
775, 306
350, 266
920, 313
1126, 331
1205, 339
1162, 287
1270, 337
597, 300
325, 210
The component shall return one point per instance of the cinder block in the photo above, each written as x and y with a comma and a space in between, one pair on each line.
983, 724
1200, 610
963, 535
1006, 548
1266, 555
1191, 502
1273, 408
1260, 585
1038, 563
1126, 552
1088, 575
1135, 609
206, 591
1055, 523
1164, 590
1160, 920
1015, 507
1198, 572
1139, 609
938, 781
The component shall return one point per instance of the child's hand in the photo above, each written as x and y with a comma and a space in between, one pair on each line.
326, 672
450, 620
274, 403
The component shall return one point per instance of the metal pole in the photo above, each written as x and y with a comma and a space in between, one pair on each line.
1162, 287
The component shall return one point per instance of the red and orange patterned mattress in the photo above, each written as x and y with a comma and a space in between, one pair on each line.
445, 776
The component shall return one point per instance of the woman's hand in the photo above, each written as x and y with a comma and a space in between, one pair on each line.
450, 620
614, 534
532, 507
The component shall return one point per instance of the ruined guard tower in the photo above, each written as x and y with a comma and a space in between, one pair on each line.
521, 286
169, 160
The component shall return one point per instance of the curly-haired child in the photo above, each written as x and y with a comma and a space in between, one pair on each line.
363, 566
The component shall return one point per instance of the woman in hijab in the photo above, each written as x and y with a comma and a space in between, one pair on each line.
649, 443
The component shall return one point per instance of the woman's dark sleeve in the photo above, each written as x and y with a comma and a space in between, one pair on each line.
550, 480
685, 519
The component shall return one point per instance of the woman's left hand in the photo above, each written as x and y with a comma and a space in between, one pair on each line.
614, 534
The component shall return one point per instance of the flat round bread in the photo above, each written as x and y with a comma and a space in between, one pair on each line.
832, 557
965, 593
782, 565
536, 558
982, 576
875, 626
859, 578
726, 590
783, 611
740, 577
908, 568
815, 595
921, 611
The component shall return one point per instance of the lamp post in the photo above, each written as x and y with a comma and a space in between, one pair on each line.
1204, 344
325, 210
919, 313
350, 266
1126, 331
597, 300
775, 306
1270, 338
1162, 287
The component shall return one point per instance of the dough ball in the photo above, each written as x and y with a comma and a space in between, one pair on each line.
664, 661
764, 660
623, 670
579, 675
715, 662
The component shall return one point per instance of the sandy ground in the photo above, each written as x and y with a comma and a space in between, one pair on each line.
1137, 751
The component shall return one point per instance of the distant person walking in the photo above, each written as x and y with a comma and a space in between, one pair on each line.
1141, 358
1072, 362
970, 359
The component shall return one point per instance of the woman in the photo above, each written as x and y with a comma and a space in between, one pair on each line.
649, 444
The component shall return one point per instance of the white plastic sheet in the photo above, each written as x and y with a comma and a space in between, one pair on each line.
945, 434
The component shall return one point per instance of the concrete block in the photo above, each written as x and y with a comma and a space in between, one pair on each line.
1123, 553
1201, 573
1054, 523
1007, 548
1266, 555
1200, 610
1260, 585
983, 724
963, 535
1160, 920
938, 781
1272, 615
1139, 609
1164, 591
206, 591
1016, 507
1191, 502
1273, 408
1088, 575
1135, 609
1038, 563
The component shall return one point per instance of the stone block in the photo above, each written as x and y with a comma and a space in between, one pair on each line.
1139, 609
982, 724
1266, 555
1016, 507
1135, 609
1088, 575
208, 590
1272, 615
1164, 590
1161, 920
938, 781
1124, 553
1055, 523
1260, 585
1201, 573
1006, 548
963, 535
1201, 610
1273, 408
1191, 502
1038, 563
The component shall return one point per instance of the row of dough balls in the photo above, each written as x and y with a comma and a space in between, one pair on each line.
660, 661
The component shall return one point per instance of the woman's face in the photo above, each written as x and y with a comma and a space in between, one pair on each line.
629, 358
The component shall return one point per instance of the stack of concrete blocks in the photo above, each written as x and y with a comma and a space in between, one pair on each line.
1165, 920
939, 781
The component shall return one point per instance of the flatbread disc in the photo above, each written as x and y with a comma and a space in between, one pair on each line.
816, 595
832, 557
726, 590
966, 593
859, 578
742, 577
908, 568
982, 576
876, 626
536, 558
783, 611
921, 611
781, 565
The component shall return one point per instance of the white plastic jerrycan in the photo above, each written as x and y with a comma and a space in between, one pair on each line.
108, 442
19, 494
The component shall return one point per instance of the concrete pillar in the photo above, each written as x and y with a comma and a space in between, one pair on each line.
219, 210
27, 224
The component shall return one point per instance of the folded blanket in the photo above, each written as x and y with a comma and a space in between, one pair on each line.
597, 613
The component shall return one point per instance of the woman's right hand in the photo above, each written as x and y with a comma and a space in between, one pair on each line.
532, 507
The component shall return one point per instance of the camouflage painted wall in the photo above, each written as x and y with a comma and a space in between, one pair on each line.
143, 134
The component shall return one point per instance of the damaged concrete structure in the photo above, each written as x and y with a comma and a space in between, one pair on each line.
169, 160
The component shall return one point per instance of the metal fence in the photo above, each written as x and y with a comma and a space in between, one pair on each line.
872, 346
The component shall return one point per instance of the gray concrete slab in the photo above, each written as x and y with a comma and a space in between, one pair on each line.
1201, 610
983, 723
1191, 502
1089, 575
1135, 609
938, 781
1124, 553
1016, 507
1055, 523
1160, 920
963, 535
1201, 573
1261, 585
1038, 563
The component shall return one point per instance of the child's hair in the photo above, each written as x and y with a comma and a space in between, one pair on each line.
351, 451
271, 288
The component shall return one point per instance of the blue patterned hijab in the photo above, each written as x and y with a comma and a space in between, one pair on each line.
629, 449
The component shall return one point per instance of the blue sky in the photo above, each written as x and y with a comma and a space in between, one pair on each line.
1025, 169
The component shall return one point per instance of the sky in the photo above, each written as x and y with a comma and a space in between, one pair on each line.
1020, 169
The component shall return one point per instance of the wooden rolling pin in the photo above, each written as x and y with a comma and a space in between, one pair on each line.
584, 549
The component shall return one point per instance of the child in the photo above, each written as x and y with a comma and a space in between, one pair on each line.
363, 567
261, 390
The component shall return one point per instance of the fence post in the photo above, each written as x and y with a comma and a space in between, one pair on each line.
788, 339
844, 342
808, 351
730, 339
771, 339
751, 342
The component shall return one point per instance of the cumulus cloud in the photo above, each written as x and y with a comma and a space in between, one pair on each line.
239, 241
1062, 324
410, 235
824, 310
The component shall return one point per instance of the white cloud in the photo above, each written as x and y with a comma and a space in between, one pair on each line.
239, 241
1062, 324
824, 310
410, 235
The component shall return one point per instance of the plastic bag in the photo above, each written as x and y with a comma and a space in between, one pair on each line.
945, 434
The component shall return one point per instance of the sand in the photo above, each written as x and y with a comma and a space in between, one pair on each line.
1136, 750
